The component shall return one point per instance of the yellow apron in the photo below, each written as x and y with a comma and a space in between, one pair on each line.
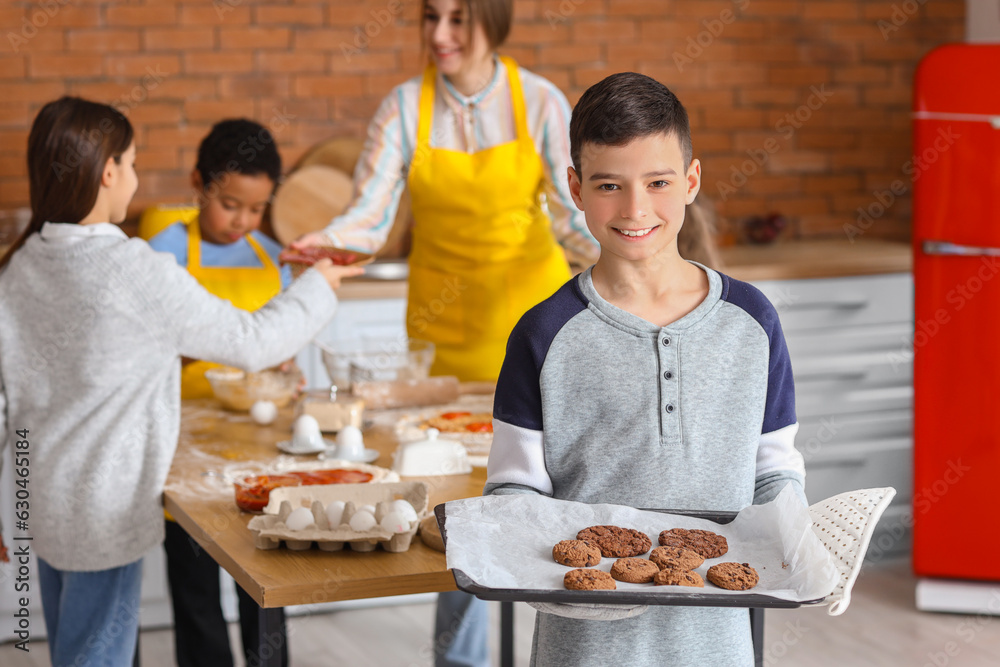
483, 250
247, 288
158, 217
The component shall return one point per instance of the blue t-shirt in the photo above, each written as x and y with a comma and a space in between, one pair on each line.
174, 239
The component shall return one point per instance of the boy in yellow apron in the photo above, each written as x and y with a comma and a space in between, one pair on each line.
217, 240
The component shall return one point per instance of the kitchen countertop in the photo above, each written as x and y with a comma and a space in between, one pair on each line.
816, 259
781, 261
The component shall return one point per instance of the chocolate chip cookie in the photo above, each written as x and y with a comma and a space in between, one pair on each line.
634, 570
616, 542
704, 542
588, 580
678, 578
675, 558
576, 553
733, 576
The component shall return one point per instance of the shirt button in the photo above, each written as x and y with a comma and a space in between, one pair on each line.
670, 408
667, 374
666, 341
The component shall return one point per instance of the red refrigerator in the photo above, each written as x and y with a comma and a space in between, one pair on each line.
956, 250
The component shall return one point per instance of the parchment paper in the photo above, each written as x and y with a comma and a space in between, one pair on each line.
505, 542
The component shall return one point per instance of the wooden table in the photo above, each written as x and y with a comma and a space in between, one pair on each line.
213, 440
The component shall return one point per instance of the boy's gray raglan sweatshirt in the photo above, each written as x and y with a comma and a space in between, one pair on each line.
91, 334
597, 405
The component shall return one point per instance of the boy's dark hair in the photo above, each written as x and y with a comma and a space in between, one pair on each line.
623, 107
238, 146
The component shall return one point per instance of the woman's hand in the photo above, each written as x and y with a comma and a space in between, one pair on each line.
310, 239
334, 274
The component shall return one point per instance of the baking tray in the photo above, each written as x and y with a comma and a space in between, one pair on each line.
685, 599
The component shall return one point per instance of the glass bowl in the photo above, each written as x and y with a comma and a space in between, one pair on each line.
239, 390
377, 359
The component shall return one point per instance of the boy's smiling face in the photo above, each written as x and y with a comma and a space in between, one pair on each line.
634, 195
231, 206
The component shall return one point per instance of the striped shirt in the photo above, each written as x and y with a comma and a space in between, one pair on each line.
461, 123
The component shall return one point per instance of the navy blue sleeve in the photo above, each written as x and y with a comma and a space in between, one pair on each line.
518, 399
779, 410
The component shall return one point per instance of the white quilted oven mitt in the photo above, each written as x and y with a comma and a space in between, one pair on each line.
844, 524
590, 612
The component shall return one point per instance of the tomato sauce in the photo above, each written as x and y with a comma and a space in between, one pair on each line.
253, 492
480, 427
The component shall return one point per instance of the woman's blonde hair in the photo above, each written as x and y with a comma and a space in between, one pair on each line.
496, 17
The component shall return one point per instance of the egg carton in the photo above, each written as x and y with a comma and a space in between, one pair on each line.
270, 530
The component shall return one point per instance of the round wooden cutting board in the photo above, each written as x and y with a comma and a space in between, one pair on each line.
308, 200
341, 153
431, 534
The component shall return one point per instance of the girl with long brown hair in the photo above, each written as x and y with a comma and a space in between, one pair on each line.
94, 325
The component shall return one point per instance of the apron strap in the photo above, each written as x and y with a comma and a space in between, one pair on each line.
194, 244
425, 113
517, 100
265, 259
194, 266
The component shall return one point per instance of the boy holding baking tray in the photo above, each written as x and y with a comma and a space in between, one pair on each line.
218, 242
647, 380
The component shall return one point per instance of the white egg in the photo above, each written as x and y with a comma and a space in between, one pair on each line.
300, 519
395, 522
404, 508
367, 508
263, 412
362, 521
335, 513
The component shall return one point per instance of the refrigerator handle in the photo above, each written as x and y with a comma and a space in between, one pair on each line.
947, 248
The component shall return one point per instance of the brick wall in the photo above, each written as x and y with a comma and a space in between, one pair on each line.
797, 106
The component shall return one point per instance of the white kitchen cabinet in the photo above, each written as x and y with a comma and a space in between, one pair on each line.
850, 342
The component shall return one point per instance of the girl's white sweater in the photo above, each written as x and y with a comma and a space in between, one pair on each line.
92, 328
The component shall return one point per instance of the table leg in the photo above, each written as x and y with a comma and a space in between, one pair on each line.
757, 633
507, 634
269, 624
